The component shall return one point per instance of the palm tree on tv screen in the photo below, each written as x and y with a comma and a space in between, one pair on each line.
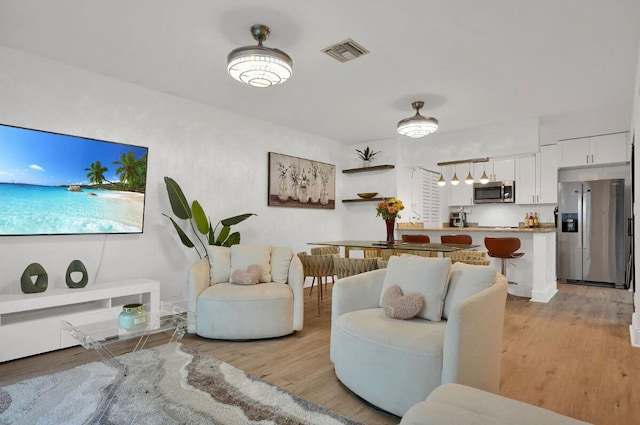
132, 170
96, 173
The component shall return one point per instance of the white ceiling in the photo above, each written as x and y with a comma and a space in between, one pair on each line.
473, 62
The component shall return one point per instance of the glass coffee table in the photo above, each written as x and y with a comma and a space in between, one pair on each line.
101, 331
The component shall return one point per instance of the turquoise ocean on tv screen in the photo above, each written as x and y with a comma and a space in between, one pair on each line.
39, 210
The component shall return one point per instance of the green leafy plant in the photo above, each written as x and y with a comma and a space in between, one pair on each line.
199, 222
367, 154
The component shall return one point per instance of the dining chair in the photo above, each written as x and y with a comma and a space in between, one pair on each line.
318, 267
321, 250
372, 253
345, 267
416, 238
325, 250
478, 258
385, 254
459, 239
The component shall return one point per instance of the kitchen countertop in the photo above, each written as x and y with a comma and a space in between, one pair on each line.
535, 272
492, 229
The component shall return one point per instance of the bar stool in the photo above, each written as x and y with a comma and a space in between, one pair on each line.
416, 238
503, 248
412, 239
459, 239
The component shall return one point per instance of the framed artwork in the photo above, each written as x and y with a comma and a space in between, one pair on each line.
301, 183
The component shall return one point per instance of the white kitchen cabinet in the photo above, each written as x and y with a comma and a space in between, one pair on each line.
479, 168
504, 170
526, 187
462, 193
610, 148
537, 177
573, 153
596, 150
547, 175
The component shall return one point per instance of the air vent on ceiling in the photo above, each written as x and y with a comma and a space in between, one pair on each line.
345, 50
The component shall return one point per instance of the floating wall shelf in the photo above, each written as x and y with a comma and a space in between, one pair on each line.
364, 200
372, 168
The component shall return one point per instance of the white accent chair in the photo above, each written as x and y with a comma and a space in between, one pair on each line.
457, 337
459, 404
223, 310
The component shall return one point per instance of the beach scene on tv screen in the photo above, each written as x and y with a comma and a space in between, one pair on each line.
60, 184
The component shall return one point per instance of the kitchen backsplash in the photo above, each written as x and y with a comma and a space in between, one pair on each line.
506, 215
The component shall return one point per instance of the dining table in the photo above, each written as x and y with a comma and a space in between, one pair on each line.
416, 246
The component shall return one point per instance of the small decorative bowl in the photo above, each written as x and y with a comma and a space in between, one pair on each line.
367, 195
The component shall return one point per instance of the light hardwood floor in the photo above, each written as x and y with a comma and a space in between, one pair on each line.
572, 356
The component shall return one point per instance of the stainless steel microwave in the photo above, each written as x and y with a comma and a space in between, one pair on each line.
494, 192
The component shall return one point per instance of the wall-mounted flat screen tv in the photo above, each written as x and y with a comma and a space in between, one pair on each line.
58, 184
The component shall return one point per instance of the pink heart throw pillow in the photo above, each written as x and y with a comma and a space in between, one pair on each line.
251, 276
399, 306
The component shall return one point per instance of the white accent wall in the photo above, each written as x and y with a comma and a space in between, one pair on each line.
217, 157
220, 158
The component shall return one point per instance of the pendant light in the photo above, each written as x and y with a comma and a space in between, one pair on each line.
469, 179
454, 179
441, 180
484, 179
417, 126
259, 66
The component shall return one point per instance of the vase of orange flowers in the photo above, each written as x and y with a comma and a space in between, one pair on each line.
389, 210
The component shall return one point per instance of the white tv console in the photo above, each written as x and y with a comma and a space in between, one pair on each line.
31, 323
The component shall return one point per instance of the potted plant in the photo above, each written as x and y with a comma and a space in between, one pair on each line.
200, 223
366, 155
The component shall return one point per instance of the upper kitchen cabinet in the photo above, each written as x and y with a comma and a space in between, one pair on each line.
547, 174
526, 187
496, 170
537, 177
596, 150
499, 170
462, 193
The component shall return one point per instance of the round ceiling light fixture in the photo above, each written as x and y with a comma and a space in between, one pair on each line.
417, 126
259, 66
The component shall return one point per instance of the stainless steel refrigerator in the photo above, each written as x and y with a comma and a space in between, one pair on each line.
591, 232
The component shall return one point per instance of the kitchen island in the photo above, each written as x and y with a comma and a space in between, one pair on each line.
535, 272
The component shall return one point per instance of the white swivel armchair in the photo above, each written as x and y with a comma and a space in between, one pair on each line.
224, 310
456, 337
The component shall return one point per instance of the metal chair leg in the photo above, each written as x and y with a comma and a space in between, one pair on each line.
510, 296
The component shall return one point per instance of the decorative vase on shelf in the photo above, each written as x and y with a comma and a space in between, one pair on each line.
391, 227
